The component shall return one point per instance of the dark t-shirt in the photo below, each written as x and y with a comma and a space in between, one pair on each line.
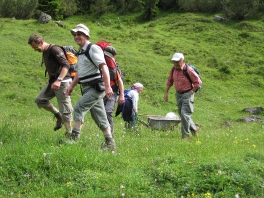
54, 59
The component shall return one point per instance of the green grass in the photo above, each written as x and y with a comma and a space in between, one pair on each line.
222, 162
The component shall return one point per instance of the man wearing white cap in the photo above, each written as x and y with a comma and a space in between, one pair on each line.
94, 86
184, 93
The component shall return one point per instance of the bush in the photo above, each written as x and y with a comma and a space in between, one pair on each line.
241, 9
70, 7
125, 6
52, 7
20, 9
150, 8
200, 5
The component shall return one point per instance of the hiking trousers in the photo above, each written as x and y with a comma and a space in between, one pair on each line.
185, 103
64, 102
92, 101
109, 108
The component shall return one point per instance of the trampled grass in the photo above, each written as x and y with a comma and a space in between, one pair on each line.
225, 160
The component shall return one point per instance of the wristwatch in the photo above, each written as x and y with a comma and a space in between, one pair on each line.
60, 79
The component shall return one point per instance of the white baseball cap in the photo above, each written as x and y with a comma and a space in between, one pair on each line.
81, 28
177, 56
137, 85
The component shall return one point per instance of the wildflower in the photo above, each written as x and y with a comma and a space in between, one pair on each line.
44, 155
254, 146
1, 143
123, 194
237, 196
207, 195
122, 187
220, 172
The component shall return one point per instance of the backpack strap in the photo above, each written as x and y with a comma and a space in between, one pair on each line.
185, 72
42, 62
86, 53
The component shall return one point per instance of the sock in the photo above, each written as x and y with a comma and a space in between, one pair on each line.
107, 133
69, 130
78, 131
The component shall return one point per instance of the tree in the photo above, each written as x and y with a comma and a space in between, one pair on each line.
150, 8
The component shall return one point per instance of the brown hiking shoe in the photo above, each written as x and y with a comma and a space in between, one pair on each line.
109, 144
59, 121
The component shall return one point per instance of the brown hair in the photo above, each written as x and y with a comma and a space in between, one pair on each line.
35, 38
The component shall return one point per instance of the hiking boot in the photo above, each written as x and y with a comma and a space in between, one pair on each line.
59, 122
75, 135
109, 144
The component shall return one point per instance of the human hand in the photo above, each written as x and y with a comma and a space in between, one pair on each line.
121, 99
166, 97
56, 85
68, 91
108, 92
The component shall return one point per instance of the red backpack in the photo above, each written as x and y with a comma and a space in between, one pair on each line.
109, 53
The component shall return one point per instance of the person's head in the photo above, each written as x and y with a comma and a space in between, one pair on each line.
178, 59
81, 34
37, 42
138, 86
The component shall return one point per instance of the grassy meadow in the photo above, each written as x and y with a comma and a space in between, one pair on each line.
225, 160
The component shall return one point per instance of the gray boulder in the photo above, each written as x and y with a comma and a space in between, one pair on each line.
44, 18
219, 18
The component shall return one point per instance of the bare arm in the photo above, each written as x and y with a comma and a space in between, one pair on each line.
166, 93
121, 98
105, 73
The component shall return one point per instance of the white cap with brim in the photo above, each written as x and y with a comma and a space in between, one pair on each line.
177, 57
137, 85
81, 28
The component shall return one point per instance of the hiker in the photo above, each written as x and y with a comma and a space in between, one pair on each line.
118, 88
57, 68
133, 96
185, 91
95, 84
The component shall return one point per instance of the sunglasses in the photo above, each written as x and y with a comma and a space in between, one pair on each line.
77, 34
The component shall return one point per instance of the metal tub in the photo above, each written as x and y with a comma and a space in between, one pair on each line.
161, 123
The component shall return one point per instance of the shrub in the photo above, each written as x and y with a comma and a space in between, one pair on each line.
20, 9
200, 5
70, 7
125, 6
241, 9
54, 8
150, 8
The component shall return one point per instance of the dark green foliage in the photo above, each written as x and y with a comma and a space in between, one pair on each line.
22, 9
168, 4
150, 8
240, 9
126, 6
100, 7
71, 7
54, 8
200, 5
